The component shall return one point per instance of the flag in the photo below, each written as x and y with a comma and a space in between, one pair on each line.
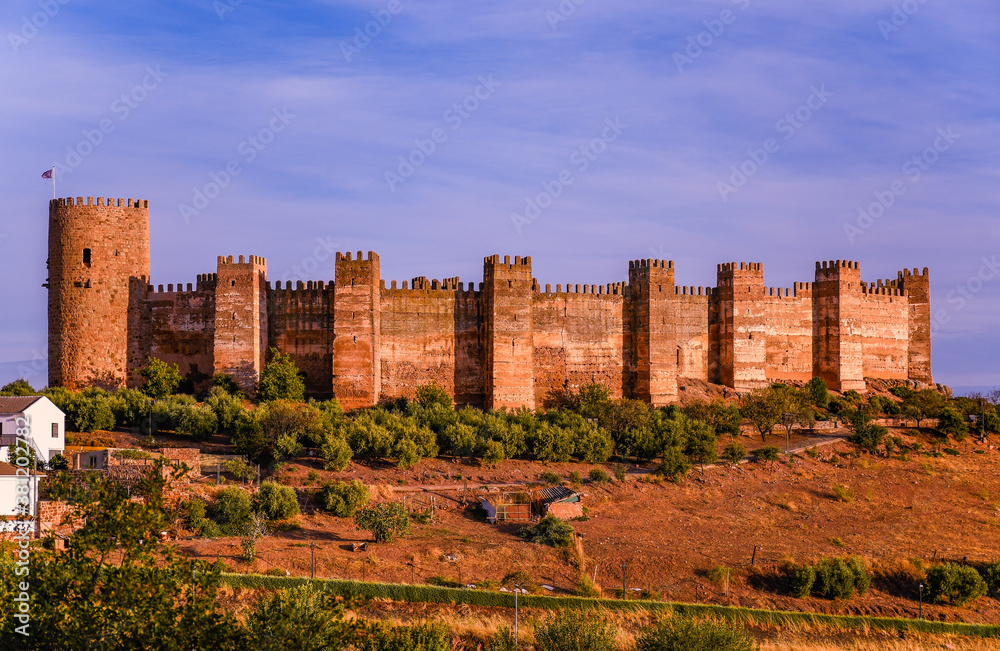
47, 174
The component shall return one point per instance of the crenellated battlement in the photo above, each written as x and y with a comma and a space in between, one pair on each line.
346, 257
687, 290
732, 267
650, 262
245, 261
100, 201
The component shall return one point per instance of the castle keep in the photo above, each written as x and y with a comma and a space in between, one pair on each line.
505, 342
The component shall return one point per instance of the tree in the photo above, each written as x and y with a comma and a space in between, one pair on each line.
818, 393
162, 378
674, 464
952, 423
724, 419
863, 432
700, 446
764, 408
227, 384
92, 410
280, 380
767, 453
254, 530
19, 387
923, 404
116, 587
384, 521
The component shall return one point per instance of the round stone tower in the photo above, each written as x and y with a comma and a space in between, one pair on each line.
98, 274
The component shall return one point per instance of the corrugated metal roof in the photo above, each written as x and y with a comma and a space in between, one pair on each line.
554, 493
16, 404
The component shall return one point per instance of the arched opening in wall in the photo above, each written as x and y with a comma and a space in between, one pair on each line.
86, 257
232, 283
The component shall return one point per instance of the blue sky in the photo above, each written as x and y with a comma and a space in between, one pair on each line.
630, 122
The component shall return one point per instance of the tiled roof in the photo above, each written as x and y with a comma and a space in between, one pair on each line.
8, 470
16, 404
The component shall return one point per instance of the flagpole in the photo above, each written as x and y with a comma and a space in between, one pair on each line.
53, 170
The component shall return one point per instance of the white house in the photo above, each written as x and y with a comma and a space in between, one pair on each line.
16, 487
46, 425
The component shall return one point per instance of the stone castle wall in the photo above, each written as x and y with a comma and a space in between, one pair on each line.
506, 342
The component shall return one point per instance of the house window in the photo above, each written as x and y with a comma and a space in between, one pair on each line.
55, 430
86, 256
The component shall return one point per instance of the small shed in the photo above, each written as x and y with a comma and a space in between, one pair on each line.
557, 501
507, 507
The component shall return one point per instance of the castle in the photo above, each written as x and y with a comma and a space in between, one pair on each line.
506, 343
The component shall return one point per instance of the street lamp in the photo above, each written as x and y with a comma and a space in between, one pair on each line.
921, 586
787, 420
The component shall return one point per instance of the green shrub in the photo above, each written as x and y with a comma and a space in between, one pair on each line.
92, 411
194, 511
685, 634
570, 630
432, 394
768, 453
18, 388
734, 453
504, 640
226, 407
839, 578
231, 510
303, 617
674, 464
575, 477
550, 530
991, 574
382, 636
599, 476
336, 454
586, 588
802, 578
619, 471
277, 502
550, 477
199, 422
343, 499
819, 395
130, 407
954, 584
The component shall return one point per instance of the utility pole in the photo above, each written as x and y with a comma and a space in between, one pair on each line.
312, 560
921, 587
624, 568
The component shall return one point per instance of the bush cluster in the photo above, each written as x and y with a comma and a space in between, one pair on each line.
955, 584
832, 578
